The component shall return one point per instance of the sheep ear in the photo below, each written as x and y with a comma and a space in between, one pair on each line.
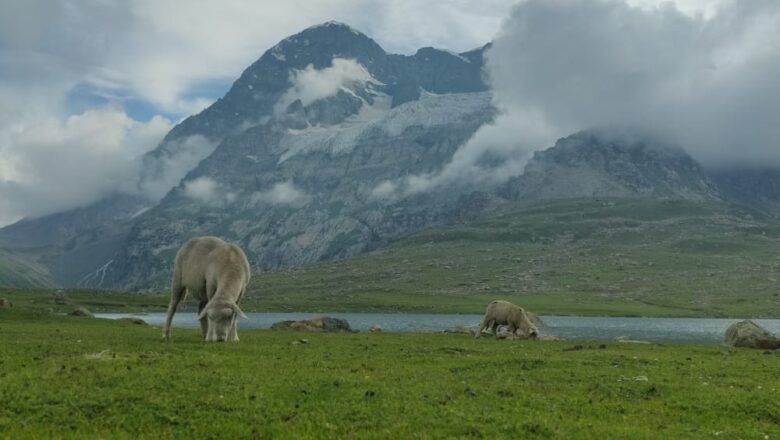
238, 311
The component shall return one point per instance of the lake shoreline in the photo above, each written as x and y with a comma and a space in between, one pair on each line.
702, 331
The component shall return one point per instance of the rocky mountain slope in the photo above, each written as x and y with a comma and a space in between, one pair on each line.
291, 196
293, 162
263, 147
598, 164
753, 187
72, 246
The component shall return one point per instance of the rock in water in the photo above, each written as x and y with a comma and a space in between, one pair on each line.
81, 311
137, 321
334, 324
463, 329
751, 335
300, 326
324, 324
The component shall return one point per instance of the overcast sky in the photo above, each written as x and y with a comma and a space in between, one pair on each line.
88, 86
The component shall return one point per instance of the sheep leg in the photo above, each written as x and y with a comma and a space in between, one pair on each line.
495, 329
482, 326
204, 322
177, 293
233, 334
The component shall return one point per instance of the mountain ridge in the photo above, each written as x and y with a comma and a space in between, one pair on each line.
296, 180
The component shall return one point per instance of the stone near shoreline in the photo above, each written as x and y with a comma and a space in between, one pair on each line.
748, 334
81, 311
323, 324
132, 320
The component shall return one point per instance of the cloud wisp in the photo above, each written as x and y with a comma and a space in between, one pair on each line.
207, 191
159, 175
309, 85
282, 193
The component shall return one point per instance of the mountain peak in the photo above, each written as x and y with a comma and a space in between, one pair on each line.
329, 32
612, 164
334, 25
319, 44
433, 52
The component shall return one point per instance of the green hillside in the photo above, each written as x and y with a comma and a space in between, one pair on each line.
584, 257
590, 257
19, 271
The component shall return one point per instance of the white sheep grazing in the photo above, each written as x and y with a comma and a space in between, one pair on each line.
504, 312
216, 274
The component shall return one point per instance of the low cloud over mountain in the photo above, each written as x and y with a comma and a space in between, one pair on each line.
55, 165
706, 83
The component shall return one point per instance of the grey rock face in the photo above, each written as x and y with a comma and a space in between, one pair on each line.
75, 244
252, 98
239, 142
298, 183
591, 164
291, 196
296, 187
254, 95
754, 187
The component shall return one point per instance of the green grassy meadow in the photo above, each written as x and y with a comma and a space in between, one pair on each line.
72, 377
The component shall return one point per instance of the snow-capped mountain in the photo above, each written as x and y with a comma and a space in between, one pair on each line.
286, 162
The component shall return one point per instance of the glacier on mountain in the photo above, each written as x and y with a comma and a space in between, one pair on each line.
429, 111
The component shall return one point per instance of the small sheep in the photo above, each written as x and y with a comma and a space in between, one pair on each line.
503, 312
216, 274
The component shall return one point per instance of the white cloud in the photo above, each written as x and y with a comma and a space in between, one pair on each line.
164, 172
310, 84
706, 82
202, 189
510, 138
282, 193
48, 165
159, 52
207, 191
706, 8
386, 190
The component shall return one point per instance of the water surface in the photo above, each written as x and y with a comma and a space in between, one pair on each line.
664, 330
